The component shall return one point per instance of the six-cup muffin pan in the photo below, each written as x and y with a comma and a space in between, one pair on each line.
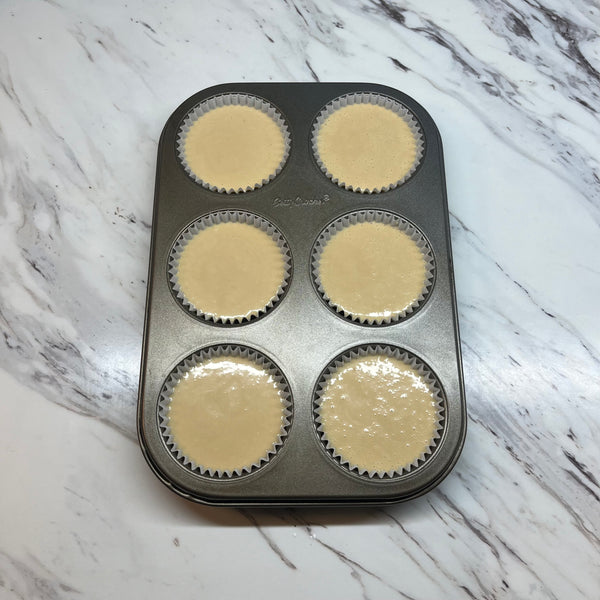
301, 341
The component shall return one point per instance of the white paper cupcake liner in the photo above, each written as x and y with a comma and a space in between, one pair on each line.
228, 216
189, 363
378, 100
228, 100
387, 218
409, 359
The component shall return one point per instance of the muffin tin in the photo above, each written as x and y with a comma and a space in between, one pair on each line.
300, 335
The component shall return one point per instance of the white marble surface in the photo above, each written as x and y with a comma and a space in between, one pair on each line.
84, 91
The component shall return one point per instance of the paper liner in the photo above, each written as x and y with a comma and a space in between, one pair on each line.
409, 359
378, 100
374, 216
197, 358
228, 100
228, 216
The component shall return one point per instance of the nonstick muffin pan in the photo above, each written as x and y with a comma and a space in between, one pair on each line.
301, 341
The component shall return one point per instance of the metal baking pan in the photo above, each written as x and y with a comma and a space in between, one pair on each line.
301, 335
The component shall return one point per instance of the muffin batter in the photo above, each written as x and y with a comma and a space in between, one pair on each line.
372, 271
226, 413
234, 147
366, 146
378, 413
231, 270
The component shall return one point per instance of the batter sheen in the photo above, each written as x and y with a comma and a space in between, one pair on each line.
226, 413
234, 147
372, 270
231, 270
366, 146
378, 413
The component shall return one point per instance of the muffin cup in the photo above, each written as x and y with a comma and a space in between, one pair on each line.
228, 216
387, 218
189, 363
409, 359
231, 100
377, 100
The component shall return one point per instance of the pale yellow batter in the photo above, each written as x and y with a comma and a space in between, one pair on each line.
378, 413
231, 270
226, 413
366, 146
372, 270
234, 147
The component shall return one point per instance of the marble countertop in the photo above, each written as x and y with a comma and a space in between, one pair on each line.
85, 89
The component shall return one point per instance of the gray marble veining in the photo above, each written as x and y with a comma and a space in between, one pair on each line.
515, 89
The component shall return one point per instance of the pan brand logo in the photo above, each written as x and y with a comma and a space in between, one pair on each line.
298, 201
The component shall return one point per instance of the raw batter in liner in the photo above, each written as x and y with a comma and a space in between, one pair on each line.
234, 147
231, 270
366, 146
226, 413
378, 413
372, 270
